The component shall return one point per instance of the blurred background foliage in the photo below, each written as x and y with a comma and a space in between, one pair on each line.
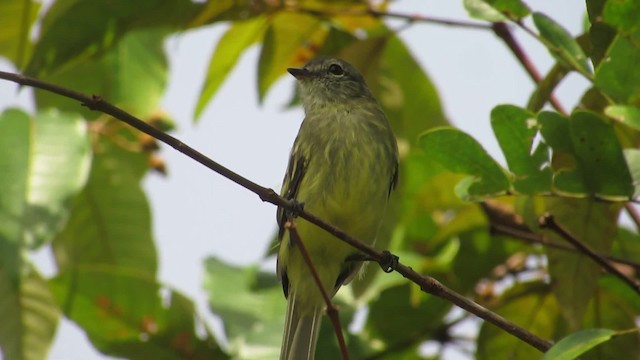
71, 181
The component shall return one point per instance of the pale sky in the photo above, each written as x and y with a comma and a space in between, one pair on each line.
197, 213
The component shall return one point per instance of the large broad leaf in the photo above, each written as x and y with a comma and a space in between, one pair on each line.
487, 177
575, 276
288, 42
110, 221
73, 31
15, 144
619, 75
251, 305
16, 17
529, 305
44, 163
128, 314
515, 129
29, 316
240, 36
561, 44
132, 75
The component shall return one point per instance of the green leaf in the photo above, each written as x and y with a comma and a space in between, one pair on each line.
574, 275
15, 146
131, 75
29, 316
128, 314
479, 253
253, 312
286, 44
598, 151
44, 163
622, 14
59, 168
487, 177
576, 344
528, 304
496, 10
240, 36
561, 44
73, 31
615, 306
515, 129
567, 177
633, 160
628, 115
619, 74
16, 17
110, 220
414, 317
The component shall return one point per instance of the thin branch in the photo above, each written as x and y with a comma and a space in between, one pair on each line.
426, 283
332, 310
503, 32
549, 221
537, 239
391, 14
429, 19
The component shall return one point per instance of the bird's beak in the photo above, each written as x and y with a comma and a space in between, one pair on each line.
299, 73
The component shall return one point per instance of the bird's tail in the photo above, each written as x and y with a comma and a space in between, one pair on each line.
300, 332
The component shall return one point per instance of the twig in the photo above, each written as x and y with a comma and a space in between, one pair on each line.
426, 283
391, 14
503, 32
548, 221
429, 19
537, 239
332, 310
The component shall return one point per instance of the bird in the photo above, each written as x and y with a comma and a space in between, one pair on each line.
342, 168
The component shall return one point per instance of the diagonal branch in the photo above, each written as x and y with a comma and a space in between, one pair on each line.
549, 221
426, 283
332, 310
503, 32
537, 239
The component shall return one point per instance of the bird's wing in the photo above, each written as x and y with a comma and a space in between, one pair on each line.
291, 184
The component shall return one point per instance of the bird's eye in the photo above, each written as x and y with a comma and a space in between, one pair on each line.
336, 69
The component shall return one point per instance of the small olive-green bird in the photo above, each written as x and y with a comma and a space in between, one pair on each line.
343, 166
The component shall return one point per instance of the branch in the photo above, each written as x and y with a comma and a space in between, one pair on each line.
332, 310
549, 221
503, 32
370, 11
537, 239
426, 283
